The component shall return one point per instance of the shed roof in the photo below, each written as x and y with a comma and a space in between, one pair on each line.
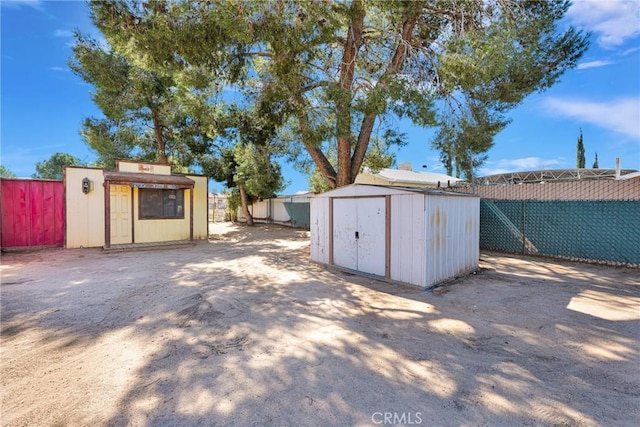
364, 190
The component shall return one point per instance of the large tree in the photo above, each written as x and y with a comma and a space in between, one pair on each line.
341, 71
146, 116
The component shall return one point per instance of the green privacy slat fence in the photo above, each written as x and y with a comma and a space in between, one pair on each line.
300, 213
602, 230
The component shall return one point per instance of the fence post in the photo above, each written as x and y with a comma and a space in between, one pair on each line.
524, 220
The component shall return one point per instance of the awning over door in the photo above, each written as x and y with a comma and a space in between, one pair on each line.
147, 180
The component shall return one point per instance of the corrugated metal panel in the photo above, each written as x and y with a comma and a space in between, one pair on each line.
408, 239
261, 209
452, 245
299, 214
319, 228
279, 213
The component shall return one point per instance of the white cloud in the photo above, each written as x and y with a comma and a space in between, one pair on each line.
58, 69
620, 115
518, 165
36, 4
63, 33
613, 21
593, 64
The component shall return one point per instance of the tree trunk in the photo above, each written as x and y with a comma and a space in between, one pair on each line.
245, 205
352, 45
160, 146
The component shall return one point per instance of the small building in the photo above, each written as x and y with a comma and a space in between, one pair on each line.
218, 208
413, 235
406, 177
136, 203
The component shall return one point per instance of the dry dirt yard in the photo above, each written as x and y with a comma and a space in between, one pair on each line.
243, 330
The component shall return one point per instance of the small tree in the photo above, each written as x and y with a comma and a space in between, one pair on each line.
53, 168
245, 161
6, 173
595, 163
580, 160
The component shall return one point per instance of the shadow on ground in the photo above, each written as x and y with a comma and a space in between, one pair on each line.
244, 330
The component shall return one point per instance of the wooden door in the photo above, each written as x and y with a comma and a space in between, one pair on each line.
121, 214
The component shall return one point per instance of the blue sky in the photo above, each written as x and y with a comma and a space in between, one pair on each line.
43, 103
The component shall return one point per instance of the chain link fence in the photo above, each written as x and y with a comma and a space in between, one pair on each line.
596, 221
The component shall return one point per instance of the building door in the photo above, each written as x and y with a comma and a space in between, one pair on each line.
359, 238
120, 214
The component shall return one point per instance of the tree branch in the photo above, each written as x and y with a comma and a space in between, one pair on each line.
366, 127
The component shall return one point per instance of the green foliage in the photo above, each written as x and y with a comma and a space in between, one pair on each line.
146, 115
317, 183
261, 176
595, 163
580, 155
327, 73
6, 173
463, 141
53, 167
246, 159
233, 202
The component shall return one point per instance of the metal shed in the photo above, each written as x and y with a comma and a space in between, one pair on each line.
412, 235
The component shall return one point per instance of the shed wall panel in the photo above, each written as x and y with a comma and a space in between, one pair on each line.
408, 238
200, 220
279, 213
84, 213
136, 167
260, 209
319, 230
161, 230
452, 245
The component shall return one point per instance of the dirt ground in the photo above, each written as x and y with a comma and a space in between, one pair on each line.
243, 330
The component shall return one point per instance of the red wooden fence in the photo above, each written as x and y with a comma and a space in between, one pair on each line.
32, 213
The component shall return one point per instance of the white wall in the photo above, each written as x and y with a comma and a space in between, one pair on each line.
408, 263
84, 213
161, 230
453, 237
200, 207
319, 230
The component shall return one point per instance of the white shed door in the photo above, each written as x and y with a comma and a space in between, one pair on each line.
359, 240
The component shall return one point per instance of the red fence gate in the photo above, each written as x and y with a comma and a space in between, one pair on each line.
32, 213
